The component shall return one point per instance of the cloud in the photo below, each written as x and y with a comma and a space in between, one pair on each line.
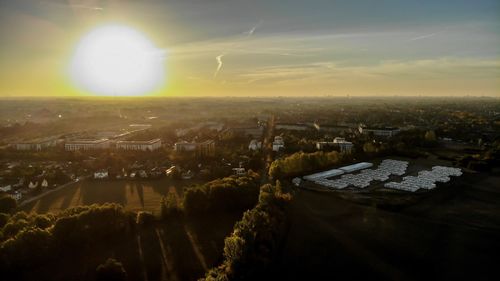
233, 46
219, 64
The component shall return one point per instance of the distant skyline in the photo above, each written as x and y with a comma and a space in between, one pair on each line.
266, 47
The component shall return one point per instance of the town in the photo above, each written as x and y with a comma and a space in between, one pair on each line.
219, 144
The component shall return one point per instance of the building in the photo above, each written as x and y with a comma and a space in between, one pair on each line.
185, 146
149, 145
255, 132
6, 188
278, 143
87, 144
37, 144
206, 148
333, 128
379, 132
293, 127
320, 145
16, 195
345, 146
101, 174
239, 171
255, 145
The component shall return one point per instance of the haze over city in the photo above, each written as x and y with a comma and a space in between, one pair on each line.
242, 140
261, 48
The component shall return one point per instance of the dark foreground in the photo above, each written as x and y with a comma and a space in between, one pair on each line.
451, 233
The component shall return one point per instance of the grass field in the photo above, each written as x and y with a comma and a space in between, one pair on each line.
450, 233
133, 195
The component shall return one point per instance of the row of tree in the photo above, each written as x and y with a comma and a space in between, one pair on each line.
226, 194
301, 162
30, 244
252, 247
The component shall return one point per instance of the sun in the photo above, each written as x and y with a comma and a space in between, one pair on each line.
117, 60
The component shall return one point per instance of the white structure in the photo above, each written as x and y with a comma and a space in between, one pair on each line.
150, 145
345, 146
101, 175
380, 132
239, 171
323, 175
255, 145
278, 143
425, 179
86, 144
296, 181
16, 195
38, 144
45, 183
387, 168
32, 185
6, 188
356, 167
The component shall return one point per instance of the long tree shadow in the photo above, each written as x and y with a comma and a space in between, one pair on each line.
180, 253
68, 197
103, 192
208, 232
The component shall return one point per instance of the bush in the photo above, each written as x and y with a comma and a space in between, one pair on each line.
111, 270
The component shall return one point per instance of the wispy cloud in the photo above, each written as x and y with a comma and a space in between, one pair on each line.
219, 57
219, 64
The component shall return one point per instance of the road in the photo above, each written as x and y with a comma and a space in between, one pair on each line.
267, 148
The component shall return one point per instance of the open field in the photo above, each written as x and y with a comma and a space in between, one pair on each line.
450, 233
133, 195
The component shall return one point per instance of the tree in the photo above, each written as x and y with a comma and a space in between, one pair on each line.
7, 204
111, 270
430, 136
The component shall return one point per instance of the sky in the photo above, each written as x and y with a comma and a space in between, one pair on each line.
266, 47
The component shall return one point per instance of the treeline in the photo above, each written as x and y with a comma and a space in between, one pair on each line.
226, 194
31, 244
300, 162
252, 247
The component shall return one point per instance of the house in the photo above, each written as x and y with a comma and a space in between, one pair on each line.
255, 145
45, 183
6, 188
239, 171
103, 174
32, 185
149, 145
87, 144
16, 195
278, 143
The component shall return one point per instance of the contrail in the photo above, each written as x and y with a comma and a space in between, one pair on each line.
424, 36
218, 58
219, 64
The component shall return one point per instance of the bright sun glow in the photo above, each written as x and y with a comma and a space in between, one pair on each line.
117, 61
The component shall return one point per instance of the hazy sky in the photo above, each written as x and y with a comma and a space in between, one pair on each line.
268, 47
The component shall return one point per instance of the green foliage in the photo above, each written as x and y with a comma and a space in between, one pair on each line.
230, 193
111, 270
145, 218
250, 249
31, 242
301, 162
169, 206
7, 204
